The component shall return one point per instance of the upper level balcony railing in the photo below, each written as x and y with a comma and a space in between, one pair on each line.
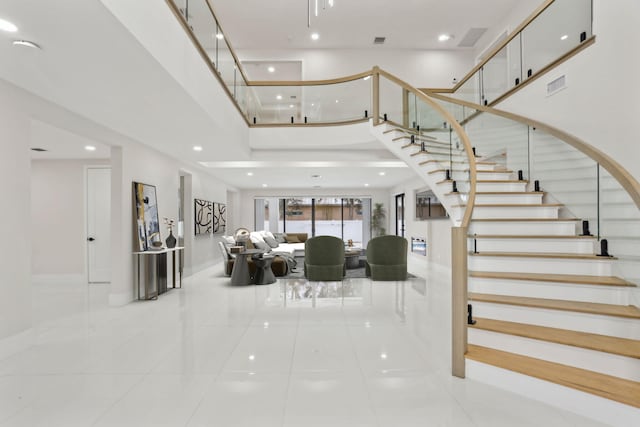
555, 31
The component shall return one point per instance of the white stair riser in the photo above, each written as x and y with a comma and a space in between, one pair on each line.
562, 245
597, 361
509, 199
457, 175
489, 212
486, 186
547, 228
589, 267
584, 404
585, 322
551, 290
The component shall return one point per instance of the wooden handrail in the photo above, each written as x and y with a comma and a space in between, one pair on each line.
626, 180
311, 82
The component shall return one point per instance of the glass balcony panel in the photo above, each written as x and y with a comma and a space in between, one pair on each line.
501, 141
567, 175
554, 32
470, 90
225, 63
499, 74
203, 26
620, 226
318, 103
393, 102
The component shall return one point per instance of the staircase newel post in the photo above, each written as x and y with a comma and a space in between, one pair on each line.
376, 95
458, 300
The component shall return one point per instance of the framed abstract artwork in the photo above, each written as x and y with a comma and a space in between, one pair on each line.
203, 221
219, 218
147, 223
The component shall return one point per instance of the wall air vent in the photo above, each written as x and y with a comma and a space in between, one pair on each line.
556, 85
39, 150
471, 37
379, 40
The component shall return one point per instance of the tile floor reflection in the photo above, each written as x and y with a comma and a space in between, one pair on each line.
293, 353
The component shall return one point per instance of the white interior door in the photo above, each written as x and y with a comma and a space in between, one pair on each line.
99, 224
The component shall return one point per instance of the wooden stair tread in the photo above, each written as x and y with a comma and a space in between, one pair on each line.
525, 236
424, 162
614, 345
513, 205
480, 181
626, 311
523, 219
477, 171
562, 255
556, 278
607, 386
500, 193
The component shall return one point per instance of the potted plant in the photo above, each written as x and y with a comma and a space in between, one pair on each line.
378, 220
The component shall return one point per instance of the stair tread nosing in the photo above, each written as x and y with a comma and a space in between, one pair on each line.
607, 386
525, 236
604, 343
515, 205
524, 219
491, 181
626, 311
543, 255
556, 278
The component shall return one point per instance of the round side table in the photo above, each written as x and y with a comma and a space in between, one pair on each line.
264, 274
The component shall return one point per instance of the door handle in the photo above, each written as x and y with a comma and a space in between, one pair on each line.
91, 239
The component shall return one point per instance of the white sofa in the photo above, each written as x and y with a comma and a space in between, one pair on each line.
293, 249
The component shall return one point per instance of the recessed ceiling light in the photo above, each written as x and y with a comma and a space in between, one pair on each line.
264, 185
444, 37
90, 148
26, 43
315, 36
197, 148
366, 185
337, 101
219, 36
381, 173
8, 26
564, 37
290, 105
271, 69
249, 173
278, 97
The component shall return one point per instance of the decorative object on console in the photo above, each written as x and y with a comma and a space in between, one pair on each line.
171, 240
241, 236
219, 218
146, 221
203, 211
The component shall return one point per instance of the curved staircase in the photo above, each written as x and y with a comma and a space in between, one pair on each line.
548, 310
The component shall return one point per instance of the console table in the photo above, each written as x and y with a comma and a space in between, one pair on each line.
151, 270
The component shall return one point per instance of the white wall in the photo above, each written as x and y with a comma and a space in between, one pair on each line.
436, 232
137, 163
58, 202
15, 183
419, 68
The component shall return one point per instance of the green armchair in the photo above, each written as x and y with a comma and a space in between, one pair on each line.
387, 258
324, 259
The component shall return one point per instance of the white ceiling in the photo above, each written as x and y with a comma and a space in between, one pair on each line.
91, 65
353, 24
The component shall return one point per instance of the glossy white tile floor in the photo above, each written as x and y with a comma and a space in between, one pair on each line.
373, 354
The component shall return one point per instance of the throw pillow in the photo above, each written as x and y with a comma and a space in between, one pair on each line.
229, 239
271, 241
280, 238
262, 246
292, 239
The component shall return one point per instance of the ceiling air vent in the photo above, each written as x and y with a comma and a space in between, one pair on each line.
471, 38
556, 85
379, 40
39, 150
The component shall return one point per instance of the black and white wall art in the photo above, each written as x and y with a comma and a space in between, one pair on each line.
203, 221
